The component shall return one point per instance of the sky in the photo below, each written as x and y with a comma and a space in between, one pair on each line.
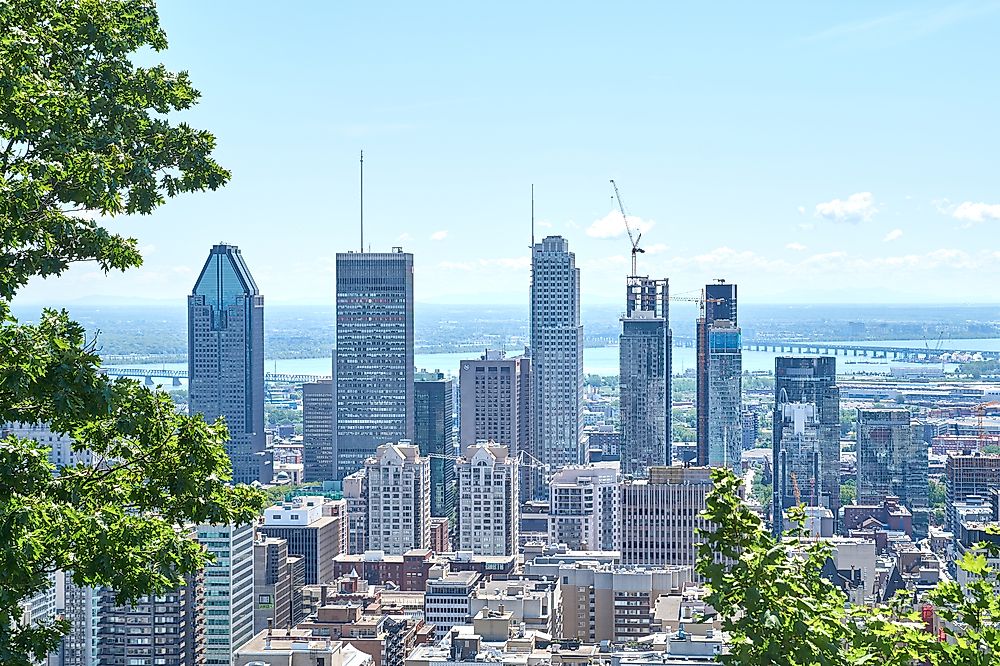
822, 152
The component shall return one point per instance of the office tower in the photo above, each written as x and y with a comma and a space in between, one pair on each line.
448, 599
806, 434
556, 353
751, 427
80, 606
892, 460
316, 537
644, 377
226, 358
229, 583
488, 500
317, 430
967, 476
434, 420
373, 361
272, 584
659, 516
495, 398
399, 502
168, 629
583, 506
719, 381
356, 497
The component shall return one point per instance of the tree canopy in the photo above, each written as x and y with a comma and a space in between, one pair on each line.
86, 133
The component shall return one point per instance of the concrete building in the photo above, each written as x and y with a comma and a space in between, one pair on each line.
409, 571
644, 376
399, 503
447, 601
969, 475
892, 461
373, 361
167, 629
440, 535
488, 516
719, 379
806, 439
80, 605
317, 430
583, 506
434, 420
298, 647
495, 406
272, 584
532, 603
556, 353
309, 533
229, 585
356, 497
659, 516
226, 358
608, 603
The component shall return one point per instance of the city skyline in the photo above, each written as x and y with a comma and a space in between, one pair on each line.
829, 148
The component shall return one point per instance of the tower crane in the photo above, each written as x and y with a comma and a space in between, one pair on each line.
634, 239
980, 411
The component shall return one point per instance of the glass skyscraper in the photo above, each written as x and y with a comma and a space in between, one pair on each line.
226, 358
434, 423
556, 353
373, 361
719, 382
644, 377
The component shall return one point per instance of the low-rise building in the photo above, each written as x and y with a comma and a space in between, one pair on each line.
532, 604
297, 647
447, 601
408, 571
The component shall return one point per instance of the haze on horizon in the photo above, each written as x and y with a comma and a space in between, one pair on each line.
835, 153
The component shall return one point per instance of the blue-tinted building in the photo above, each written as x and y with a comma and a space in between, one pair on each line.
719, 383
226, 358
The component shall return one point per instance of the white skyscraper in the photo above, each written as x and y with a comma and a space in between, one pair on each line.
228, 590
556, 353
399, 499
488, 502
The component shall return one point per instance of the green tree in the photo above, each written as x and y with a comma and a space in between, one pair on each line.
848, 492
85, 133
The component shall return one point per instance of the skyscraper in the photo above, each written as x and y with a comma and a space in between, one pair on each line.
488, 515
806, 439
229, 585
373, 362
644, 377
719, 382
892, 460
226, 358
317, 430
399, 504
556, 353
434, 421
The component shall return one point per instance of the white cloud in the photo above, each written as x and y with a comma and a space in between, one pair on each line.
439, 235
544, 224
404, 237
895, 234
974, 213
656, 248
612, 225
798, 247
802, 210
859, 207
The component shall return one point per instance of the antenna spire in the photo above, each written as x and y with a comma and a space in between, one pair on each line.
362, 172
532, 215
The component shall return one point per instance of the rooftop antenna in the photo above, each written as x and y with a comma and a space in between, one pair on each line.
362, 171
532, 215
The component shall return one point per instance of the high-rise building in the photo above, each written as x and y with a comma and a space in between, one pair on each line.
373, 361
229, 584
488, 516
892, 460
644, 377
171, 626
317, 430
434, 420
302, 523
356, 497
399, 502
660, 516
226, 358
967, 476
272, 584
806, 439
583, 506
719, 380
556, 353
80, 605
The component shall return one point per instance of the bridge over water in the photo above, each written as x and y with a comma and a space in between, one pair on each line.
149, 374
873, 350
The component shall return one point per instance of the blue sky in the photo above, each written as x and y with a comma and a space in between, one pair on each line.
810, 152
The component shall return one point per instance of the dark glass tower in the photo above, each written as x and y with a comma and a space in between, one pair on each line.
806, 444
719, 382
644, 377
317, 430
434, 422
373, 361
226, 358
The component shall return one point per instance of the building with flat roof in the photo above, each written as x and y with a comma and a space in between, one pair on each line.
719, 379
298, 647
434, 420
272, 584
447, 601
317, 430
301, 522
583, 506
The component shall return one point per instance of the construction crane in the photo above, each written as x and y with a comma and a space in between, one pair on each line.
980, 411
699, 299
632, 238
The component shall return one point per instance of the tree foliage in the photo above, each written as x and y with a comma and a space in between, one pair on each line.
777, 607
85, 133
